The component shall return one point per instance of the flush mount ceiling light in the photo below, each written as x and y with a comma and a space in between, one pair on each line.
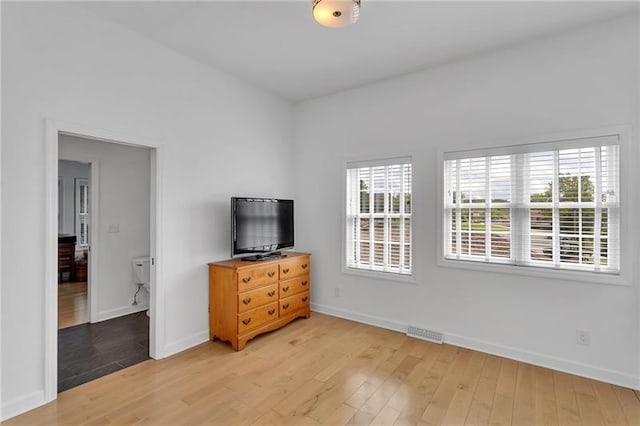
336, 13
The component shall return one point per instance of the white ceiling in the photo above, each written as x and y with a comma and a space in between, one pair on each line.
278, 46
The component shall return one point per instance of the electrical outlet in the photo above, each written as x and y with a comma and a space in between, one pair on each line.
582, 337
336, 292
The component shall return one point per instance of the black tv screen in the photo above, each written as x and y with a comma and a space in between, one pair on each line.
260, 225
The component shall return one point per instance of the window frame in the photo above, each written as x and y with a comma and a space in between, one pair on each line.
60, 204
372, 162
626, 175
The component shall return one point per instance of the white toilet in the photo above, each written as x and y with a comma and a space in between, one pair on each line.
142, 273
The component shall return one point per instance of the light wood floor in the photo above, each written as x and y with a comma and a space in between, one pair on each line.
72, 304
332, 371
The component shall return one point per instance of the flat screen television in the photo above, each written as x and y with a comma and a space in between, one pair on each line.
260, 226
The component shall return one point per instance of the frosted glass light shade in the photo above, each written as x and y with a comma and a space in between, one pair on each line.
336, 13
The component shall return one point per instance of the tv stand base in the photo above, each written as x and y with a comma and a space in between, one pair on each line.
263, 257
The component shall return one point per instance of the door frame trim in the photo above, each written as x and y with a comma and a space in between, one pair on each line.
53, 128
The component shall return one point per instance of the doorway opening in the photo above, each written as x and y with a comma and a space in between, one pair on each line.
101, 311
117, 225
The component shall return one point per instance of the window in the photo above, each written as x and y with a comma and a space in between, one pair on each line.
82, 212
553, 205
378, 234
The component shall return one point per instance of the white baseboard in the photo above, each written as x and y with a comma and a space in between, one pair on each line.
22, 404
358, 317
548, 361
185, 343
118, 312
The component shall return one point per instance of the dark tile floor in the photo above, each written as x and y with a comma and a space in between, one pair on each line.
89, 351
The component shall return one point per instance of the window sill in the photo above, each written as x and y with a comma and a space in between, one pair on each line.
384, 276
537, 272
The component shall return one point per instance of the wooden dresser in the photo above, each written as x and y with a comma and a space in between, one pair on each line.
250, 298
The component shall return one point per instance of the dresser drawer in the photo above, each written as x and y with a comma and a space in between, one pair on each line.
294, 267
294, 286
253, 299
294, 303
257, 317
255, 277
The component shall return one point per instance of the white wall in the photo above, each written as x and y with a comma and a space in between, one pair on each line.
584, 79
219, 137
68, 172
124, 200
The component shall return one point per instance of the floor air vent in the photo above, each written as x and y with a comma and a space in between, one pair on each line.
424, 334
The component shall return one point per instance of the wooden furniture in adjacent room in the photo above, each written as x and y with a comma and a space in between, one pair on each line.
251, 298
66, 256
81, 270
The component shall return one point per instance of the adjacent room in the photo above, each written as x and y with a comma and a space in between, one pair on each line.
104, 217
320, 212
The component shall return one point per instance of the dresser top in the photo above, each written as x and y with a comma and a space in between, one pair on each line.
239, 263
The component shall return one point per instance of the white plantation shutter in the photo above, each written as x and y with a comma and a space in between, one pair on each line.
550, 205
82, 212
378, 234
